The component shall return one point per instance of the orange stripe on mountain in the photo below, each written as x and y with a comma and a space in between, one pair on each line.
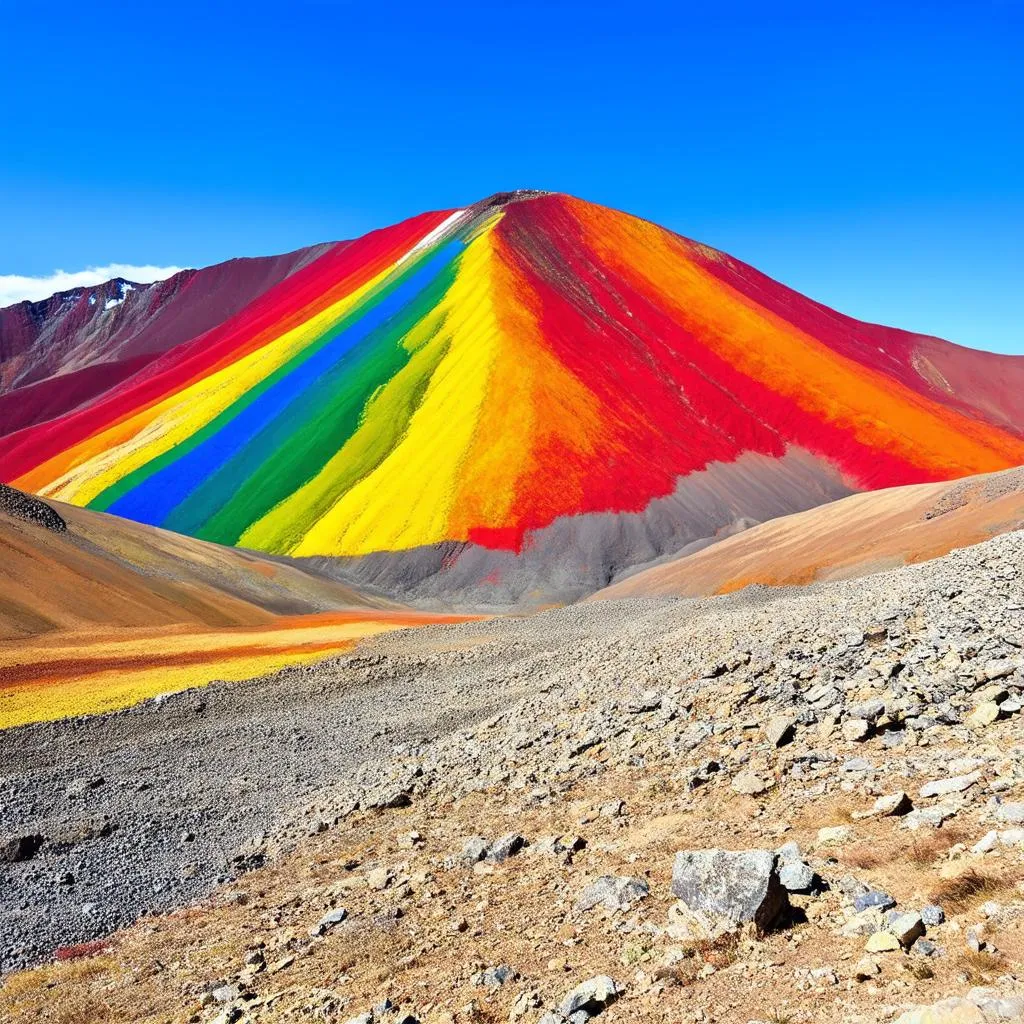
877, 410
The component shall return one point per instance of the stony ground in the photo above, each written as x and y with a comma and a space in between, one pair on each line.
483, 822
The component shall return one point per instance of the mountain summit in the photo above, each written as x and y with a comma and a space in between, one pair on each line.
533, 373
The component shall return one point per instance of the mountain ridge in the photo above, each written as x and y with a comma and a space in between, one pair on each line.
467, 379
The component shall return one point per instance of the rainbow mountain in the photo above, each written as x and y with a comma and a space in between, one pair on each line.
531, 394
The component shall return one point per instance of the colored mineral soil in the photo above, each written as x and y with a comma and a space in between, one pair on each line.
431, 381
65, 674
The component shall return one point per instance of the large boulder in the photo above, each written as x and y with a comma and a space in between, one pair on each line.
584, 1001
729, 888
981, 1006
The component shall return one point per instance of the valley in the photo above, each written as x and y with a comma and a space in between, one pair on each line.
867, 728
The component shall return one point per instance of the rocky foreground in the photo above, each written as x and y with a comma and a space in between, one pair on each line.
778, 806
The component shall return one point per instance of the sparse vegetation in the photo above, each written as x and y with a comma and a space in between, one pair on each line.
967, 890
606, 779
980, 966
924, 850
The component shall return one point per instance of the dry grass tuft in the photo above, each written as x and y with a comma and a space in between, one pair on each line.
720, 953
82, 950
919, 969
69, 991
924, 850
980, 966
864, 857
374, 949
839, 810
833, 808
965, 891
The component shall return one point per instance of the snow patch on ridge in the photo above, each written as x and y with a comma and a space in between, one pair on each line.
22, 288
432, 236
124, 288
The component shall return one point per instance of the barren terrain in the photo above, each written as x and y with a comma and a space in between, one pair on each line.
873, 723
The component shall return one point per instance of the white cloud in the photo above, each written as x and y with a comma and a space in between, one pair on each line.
16, 287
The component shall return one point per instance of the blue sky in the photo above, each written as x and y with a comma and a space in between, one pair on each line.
870, 155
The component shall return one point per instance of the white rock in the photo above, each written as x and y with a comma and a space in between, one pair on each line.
955, 784
987, 843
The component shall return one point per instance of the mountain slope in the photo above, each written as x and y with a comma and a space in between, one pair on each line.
855, 536
534, 373
97, 613
69, 569
76, 345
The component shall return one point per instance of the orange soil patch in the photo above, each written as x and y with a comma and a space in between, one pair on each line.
110, 612
68, 674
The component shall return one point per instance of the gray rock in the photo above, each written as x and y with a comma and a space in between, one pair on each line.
796, 876
474, 849
387, 798
908, 928
856, 730
779, 730
955, 784
507, 846
1010, 813
20, 848
730, 887
494, 977
789, 851
226, 993
892, 804
999, 668
995, 1005
932, 915
873, 899
868, 711
645, 703
867, 967
750, 784
933, 817
613, 892
81, 786
591, 997
329, 920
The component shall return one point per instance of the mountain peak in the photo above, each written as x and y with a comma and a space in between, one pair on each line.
519, 195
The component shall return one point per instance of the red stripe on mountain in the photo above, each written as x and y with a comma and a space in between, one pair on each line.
980, 384
673, 405
288, 304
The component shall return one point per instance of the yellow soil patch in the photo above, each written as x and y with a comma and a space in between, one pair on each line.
61, 675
